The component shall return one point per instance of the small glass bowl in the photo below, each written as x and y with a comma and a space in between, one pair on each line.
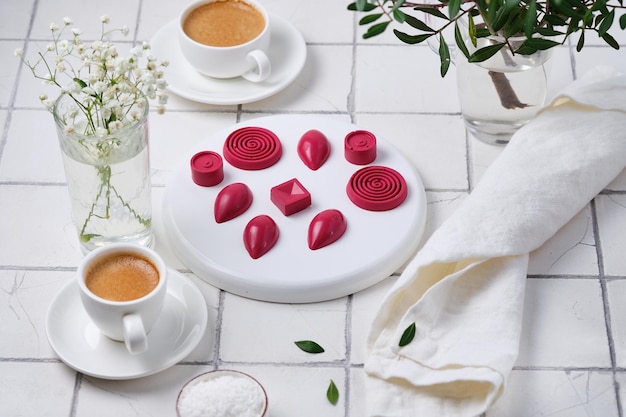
215, 375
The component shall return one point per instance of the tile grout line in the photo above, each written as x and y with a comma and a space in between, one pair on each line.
4, 133
605, 304
348, 361
351, 99
217, 334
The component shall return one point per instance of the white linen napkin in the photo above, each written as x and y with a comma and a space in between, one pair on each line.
464, 289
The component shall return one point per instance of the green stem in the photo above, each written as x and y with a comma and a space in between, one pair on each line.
104, 172
105, 181
141, 220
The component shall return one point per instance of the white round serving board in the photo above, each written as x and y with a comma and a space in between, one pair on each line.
374, 245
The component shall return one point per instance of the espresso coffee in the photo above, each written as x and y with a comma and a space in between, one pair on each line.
224, 23
122, 277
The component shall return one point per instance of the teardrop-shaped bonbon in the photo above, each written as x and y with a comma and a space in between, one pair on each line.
232, 201
326, 228
260, 235
313, 149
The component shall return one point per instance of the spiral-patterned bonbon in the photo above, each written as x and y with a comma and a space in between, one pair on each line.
252, 148
377, 188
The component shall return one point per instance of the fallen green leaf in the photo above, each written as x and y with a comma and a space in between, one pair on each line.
309, 346
408, 335
332, 393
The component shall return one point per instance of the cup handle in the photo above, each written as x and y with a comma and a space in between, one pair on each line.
262, 68
135, 335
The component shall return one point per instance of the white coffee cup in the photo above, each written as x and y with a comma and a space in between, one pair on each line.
249, 60
128, 321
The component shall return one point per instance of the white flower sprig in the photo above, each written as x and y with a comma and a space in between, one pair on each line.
109, 91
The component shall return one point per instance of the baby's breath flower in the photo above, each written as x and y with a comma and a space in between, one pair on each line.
18, 52
99, 87
110, 91
125, 99
115, 125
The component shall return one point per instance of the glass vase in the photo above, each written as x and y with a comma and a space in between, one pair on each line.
108, 177
500, 95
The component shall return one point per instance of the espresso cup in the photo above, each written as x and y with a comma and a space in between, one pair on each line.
122, 289
226, 38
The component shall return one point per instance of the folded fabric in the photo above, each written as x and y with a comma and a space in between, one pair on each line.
464, 290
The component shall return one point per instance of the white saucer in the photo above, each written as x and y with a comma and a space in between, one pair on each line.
81, 346
287, 55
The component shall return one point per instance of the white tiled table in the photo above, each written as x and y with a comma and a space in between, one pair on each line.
573, 355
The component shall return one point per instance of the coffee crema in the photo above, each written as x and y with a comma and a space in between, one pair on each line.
122, 277
224, 23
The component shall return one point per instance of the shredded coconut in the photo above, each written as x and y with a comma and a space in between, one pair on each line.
223, 396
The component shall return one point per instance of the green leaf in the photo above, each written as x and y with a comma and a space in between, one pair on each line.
399, 16
88, 236
407, 335
555, 20
332, 393
453, 8
540, 44
607, 22
444, 55
482, 32
581, 41
460, 43
418, 24
375, 30
309, 346
514, 24
622, 21
397, 5
80, 82
531, 18
432, 11
598, 5
411, 39
361, 6
485, 53
370, 18
610, 40
548, 32
472, 30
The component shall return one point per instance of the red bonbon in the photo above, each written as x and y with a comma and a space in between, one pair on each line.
313, 149
207, 168
252, 148
326, 228
360, 147
290, 197
260, 235
377, 188
232, 201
